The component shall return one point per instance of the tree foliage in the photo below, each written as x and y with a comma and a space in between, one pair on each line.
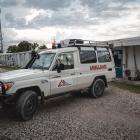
24, 46
43, 47
12, 49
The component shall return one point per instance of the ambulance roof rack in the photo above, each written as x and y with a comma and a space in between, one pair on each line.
84, 43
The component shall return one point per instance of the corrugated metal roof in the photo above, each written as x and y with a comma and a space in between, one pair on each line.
135, 41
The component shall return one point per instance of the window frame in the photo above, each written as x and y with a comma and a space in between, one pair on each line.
107, 50
90, 49
61, 53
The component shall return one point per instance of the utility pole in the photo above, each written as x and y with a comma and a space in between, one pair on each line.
1, 43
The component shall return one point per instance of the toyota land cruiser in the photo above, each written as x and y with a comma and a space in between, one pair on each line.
52, 72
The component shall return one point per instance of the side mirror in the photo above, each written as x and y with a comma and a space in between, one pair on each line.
60, 67
58, 70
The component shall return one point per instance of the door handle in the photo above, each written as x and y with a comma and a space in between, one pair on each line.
72, 74
56, 76
110, 69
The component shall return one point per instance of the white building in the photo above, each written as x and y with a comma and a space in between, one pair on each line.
127, 57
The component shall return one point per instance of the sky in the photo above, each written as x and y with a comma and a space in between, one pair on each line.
43, 20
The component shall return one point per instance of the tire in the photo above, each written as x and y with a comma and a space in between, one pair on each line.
27, 105
97, 88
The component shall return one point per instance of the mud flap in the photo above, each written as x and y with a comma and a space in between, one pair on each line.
1, 105
1, 102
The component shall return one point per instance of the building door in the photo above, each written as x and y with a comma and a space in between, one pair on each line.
118, 58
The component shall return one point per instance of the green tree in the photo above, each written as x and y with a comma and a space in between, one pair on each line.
43, 47
24, 46
12, 49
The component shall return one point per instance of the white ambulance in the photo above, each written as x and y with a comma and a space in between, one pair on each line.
78, 66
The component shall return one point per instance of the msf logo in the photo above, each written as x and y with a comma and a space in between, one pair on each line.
63, 83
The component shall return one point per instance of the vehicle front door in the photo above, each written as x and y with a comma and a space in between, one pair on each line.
63, 81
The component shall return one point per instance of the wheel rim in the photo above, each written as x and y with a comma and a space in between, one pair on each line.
98, 88
30, 106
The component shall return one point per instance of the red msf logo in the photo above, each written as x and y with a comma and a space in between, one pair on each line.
63, 83
98, 67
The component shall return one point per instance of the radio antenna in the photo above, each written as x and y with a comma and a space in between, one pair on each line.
1, 39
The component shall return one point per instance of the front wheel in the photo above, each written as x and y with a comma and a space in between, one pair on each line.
26, 105
97, 88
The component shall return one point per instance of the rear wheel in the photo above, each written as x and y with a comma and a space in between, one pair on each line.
97, 88
26, 105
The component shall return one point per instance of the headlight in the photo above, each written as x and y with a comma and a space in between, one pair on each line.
7, 86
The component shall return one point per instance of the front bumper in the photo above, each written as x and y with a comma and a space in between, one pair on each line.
7, 99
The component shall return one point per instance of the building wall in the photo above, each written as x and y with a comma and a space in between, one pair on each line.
138, 56
131, 64
129, 55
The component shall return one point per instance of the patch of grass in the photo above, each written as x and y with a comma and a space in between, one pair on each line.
8, 68
125, 86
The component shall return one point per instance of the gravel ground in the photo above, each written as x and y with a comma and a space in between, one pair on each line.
115, 116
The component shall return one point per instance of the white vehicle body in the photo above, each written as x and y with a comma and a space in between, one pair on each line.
57, 71
50, 82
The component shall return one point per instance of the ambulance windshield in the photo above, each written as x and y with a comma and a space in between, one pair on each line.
43, 62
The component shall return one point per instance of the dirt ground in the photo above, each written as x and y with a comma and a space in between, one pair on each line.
115, 116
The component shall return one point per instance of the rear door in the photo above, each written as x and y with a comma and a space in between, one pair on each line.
105, 63
64, 81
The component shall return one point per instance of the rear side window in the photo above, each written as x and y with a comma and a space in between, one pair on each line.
103, 55
88, 55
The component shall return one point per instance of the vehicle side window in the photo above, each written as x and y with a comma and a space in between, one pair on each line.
88, 56
103, 55
67, 59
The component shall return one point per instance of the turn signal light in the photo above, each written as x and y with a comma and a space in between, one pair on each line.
7, 86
